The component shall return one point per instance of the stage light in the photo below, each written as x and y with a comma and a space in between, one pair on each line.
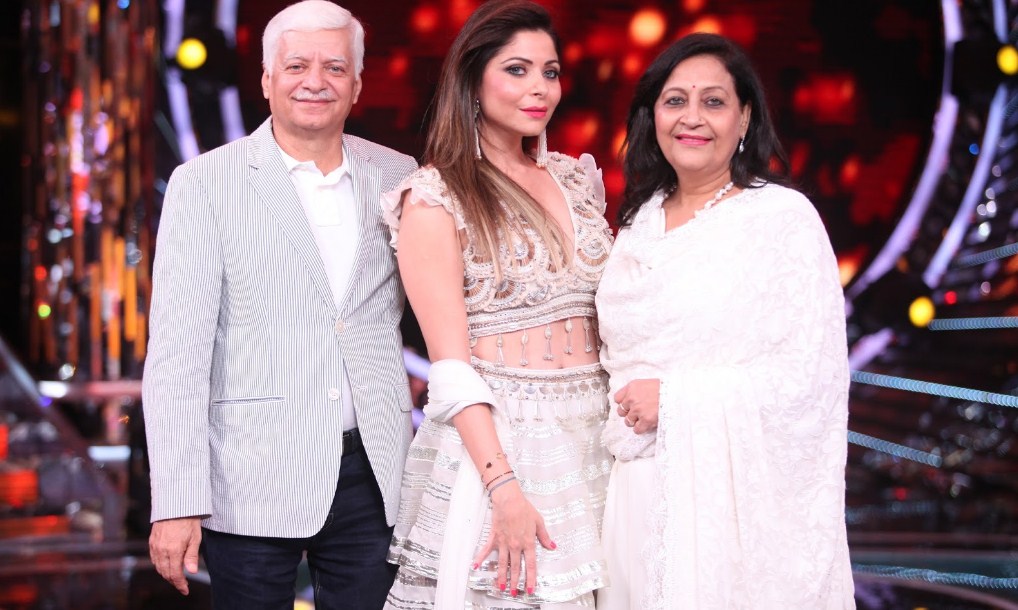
425, 19
847, 268
1007, 59
573, 52
44, 311
647, 27
950, 297
708, 24
921, 312
618, 140
399, 63
191, 54
632, 65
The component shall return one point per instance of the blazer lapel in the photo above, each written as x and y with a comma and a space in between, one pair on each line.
365, 193
271, 181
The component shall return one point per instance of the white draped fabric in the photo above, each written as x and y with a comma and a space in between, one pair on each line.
740, 313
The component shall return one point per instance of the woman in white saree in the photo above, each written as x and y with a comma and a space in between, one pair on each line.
723, 329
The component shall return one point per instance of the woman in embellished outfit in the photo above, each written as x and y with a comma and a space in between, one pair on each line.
724, 337
500, 246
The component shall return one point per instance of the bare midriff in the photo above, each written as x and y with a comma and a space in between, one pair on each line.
572, 342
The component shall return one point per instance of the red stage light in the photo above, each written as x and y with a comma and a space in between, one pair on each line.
243, 39
632, 65
693, 6
573, 53
741, 28
850, 171
424, 19
460, 11
399, 63
950, 297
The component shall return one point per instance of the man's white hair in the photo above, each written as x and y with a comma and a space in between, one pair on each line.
312, 16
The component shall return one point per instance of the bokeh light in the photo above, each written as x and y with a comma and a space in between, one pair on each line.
1007, 59
424, 19
647, 27
708, 24
399, 63
191, 54
921, 312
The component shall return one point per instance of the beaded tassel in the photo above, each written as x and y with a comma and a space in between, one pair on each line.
499, 356
586, 336
523, 344
569, 336
547, 343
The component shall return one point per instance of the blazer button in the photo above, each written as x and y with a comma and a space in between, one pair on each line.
333, 394
340, 325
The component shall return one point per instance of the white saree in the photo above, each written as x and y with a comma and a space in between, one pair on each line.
740, 313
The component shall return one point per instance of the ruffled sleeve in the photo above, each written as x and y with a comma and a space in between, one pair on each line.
751, 454
426, 186
593, 172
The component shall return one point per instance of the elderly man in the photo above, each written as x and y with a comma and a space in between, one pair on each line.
275, 398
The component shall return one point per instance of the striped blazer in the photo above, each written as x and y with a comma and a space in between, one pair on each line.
240, 391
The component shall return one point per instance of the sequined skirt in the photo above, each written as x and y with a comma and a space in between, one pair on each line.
549, 423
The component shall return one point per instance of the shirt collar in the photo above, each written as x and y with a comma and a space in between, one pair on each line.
293, 165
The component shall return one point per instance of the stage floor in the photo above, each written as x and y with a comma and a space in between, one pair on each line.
36, 574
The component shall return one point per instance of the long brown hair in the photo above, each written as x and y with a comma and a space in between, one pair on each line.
493, 205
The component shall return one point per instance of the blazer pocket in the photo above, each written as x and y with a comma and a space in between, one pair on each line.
401, 393
246, 400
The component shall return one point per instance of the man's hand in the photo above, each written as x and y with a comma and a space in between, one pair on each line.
173, 547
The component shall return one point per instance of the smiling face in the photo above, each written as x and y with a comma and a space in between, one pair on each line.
311, 86
520, 88
699, 120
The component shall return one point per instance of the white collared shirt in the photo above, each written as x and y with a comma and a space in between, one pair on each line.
331, 211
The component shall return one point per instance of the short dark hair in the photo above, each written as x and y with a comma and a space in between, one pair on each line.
645, 168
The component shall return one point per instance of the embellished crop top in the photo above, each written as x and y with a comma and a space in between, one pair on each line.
530, 293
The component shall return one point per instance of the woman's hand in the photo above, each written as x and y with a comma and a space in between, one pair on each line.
515, 524
638, 402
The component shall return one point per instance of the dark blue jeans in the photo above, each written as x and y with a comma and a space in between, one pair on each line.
346, 558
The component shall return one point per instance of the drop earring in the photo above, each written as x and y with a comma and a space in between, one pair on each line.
477, 130
742, 145
542, 149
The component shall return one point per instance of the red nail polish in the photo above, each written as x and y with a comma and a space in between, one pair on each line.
515, 592
530, 590
476, 565
501, 586
553, 545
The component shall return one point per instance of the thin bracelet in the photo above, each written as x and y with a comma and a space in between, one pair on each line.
500, 484
494, 479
